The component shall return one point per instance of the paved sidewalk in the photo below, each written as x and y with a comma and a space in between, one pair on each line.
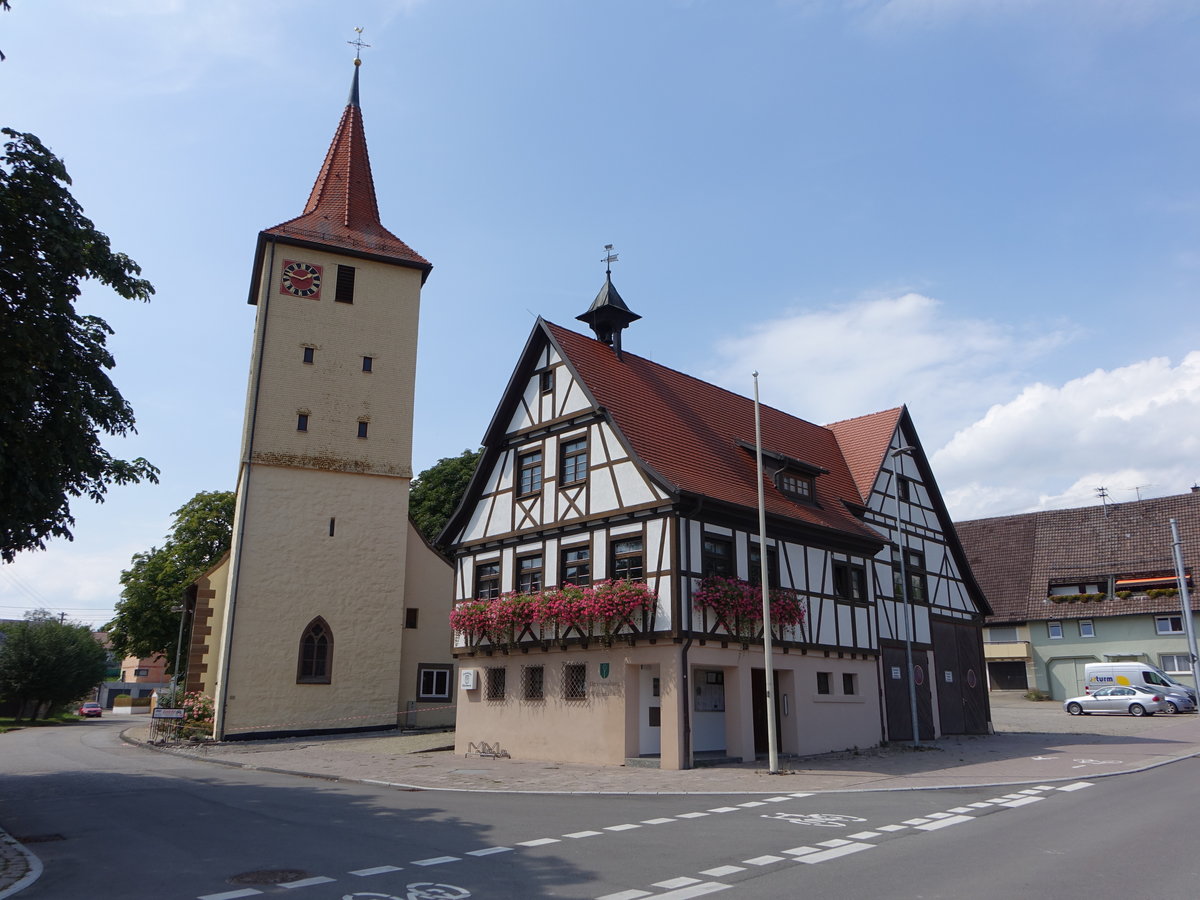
1034, 743
1044, 744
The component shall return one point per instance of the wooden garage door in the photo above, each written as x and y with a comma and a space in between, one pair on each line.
961, 685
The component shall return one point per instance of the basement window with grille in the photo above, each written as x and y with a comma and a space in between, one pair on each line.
575, 681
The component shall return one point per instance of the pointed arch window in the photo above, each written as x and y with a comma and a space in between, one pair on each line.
315, 665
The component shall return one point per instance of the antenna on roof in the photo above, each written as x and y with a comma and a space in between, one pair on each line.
609, 259
1102, 493
358, 45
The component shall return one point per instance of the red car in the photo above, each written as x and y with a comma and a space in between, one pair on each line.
91, 710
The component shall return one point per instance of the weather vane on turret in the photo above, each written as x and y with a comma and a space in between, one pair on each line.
609, 259
358, 43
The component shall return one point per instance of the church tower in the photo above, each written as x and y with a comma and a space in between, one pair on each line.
310, 634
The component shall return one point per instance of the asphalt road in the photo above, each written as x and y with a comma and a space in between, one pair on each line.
110, 820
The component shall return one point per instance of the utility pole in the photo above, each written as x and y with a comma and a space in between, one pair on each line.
1185, 604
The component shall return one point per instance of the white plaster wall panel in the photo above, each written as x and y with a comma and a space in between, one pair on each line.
522, 416
845, 616
792, 569
820, 577
500, 517
599, 555
891, 626
921, 630
862, 624
572, 398
354, 580
476, 526
665, 589
695, 543
550, 560
657, 545
827, 623
609, 444
719, 530
602, 490
333, 389
501, 478
621, 530
634, 489
507, 570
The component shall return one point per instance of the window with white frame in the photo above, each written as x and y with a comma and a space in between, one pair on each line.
1054, 630
1175, 663
433, 681
1168, 624
1086, 628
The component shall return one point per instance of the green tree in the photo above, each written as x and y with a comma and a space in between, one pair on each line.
436, 492
148, 614
57, 395
45, 663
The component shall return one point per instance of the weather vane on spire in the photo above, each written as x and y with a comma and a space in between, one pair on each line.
358, 45
609, 259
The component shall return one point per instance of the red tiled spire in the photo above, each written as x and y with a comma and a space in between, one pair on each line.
341, 211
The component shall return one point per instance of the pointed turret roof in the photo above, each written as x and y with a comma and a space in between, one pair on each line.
341, 213
608, 315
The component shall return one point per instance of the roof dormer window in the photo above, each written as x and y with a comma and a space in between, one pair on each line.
798, 487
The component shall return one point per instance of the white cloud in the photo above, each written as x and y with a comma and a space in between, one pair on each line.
839, 362
1000, 441
1133, 430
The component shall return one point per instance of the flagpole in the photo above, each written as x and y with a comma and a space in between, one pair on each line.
768, 661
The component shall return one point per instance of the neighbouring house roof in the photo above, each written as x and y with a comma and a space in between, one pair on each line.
342, 212
1017, 558
691, 434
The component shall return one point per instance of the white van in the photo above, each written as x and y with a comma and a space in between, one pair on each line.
1098, 675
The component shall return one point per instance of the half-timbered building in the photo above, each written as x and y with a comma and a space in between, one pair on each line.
601, 469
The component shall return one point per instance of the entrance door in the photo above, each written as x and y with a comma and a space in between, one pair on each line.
649, 712
962, 693
758, 700
896, 694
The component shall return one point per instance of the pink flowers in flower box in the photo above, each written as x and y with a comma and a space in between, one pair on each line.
738, 604
609, 604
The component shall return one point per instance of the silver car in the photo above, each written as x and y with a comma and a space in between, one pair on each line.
1133, 700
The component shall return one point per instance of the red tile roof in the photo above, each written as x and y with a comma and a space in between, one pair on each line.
688, 431
865, 441
341, 210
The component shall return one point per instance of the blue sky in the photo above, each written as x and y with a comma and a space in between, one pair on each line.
986, 210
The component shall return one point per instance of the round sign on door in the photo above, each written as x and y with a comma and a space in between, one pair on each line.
918, 675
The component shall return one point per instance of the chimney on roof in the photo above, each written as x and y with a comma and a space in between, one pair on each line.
608, 315
1196, 488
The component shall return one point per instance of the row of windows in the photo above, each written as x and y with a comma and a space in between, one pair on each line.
1087, 628
849, 580
849, 683
626, 562
302, 421
309, 357
572, 684
717, 558
572, 466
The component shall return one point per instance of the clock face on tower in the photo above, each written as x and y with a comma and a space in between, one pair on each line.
300, 279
